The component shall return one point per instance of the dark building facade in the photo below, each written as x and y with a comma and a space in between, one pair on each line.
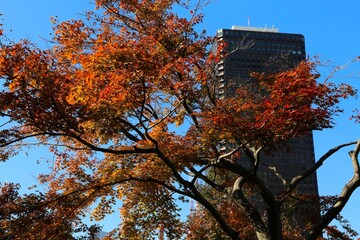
266, 50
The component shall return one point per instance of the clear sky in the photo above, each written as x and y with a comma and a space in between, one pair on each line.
331, 30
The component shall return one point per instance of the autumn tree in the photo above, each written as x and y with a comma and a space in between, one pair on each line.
32, 217
125, 102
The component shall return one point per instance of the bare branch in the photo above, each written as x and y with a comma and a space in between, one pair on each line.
129, 150
277, 174
19, 139
343, 198
355, 158
248, 208
298, 179
198, 174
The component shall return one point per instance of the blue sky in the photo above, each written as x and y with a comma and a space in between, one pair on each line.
331, 30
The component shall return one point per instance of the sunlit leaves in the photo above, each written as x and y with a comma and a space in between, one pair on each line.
277, 107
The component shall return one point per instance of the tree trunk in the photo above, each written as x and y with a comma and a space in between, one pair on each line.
274, 222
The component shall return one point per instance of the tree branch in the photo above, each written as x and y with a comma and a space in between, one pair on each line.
298, 179
251, 212
343, 198
198, 174
272, 206
131, 150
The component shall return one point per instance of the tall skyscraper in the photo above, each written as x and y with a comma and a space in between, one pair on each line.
266, 50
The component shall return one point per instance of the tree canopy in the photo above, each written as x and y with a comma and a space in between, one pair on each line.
126, 100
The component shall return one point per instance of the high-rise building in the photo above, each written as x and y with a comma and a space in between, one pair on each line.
266, 50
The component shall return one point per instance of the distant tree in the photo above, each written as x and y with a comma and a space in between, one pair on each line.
125, 102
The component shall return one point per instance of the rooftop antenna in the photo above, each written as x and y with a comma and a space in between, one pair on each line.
248, 21
265, 27
272, 29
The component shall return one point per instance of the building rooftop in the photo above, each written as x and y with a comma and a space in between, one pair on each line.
254, 29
